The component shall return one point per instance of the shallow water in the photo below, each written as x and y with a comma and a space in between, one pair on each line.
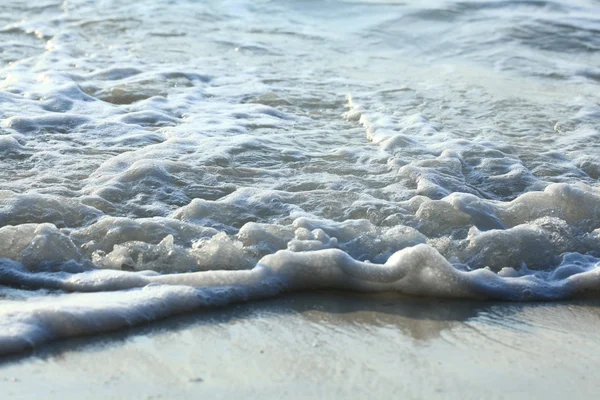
172, 157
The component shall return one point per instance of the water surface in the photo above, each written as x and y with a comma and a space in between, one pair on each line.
160, 157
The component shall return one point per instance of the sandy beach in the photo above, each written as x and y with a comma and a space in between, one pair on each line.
329, 344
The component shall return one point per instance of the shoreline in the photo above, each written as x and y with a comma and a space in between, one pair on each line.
328, 344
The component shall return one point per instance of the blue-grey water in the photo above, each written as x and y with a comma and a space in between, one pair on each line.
159, 157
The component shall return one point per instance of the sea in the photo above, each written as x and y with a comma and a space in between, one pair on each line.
164, 157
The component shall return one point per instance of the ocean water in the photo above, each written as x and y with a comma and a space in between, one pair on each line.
161, 157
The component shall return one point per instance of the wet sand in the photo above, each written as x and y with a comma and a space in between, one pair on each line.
329, 345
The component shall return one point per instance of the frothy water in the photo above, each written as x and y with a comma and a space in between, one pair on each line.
158, 158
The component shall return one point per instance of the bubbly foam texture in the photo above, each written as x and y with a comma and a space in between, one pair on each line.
144, 178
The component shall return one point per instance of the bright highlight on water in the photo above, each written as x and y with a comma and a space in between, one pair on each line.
160, 158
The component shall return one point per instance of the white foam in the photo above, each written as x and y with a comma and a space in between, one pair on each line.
418, 270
